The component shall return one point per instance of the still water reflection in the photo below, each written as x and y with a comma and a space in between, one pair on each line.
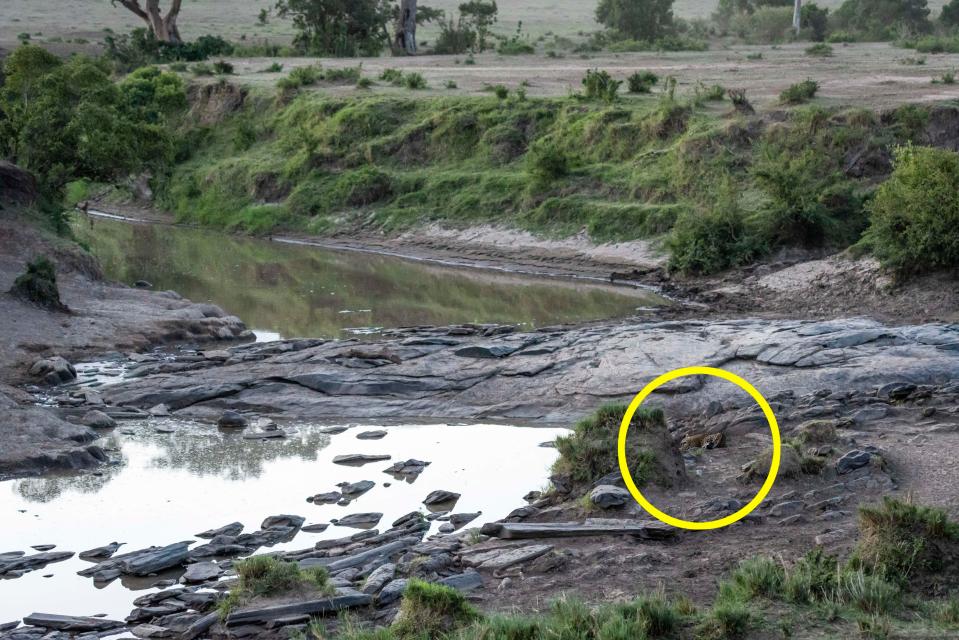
299, 291
169, 486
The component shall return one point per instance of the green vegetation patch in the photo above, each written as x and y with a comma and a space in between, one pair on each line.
263, 576
38, 285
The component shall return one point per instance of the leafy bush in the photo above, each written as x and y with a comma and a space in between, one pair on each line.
431, 610
636, 19
905, 542
301, 77
950, 14
883, 19
546, 162
819, 50
140, 48
767, 24
642, 81
800, 92
38, 285
393, 76
601, 86
269, 576
915, 214
202, 69
815, 20
222, 67
414, 80
714, 240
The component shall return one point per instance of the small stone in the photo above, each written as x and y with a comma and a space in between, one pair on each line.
231, 420
353, 489
607, 496
784, 509
201, 572
851, 461
440, 496
331, 497
98, 420
371, 435
359, 520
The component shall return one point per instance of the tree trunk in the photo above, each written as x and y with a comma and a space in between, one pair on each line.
163, 27
405, 39
797, 16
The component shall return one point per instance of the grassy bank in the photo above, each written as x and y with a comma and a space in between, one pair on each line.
719, 189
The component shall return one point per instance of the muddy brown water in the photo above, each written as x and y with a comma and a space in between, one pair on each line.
286, 290
170, 486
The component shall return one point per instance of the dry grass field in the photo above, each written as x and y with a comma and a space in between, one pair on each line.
86, 19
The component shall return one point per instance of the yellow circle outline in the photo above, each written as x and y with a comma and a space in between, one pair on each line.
628, 478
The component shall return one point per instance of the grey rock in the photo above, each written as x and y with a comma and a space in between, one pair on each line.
359, 458
359, 520
7, 626
156, 560
392, 592
231, 420
331, 497
202, 572
466, 581
344, 599
378, 578
17, 566
315, 528
608, 496
71, 623
896, 390
371, 435
53, 371
354, 489
98, 420
43, 547
789, 508
283, 521
461, 519
407, 468
151, 631
232, 529
495, 559
851, 461
440, 497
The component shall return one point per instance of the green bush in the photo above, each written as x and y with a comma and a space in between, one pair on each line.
642, 81
202, 69
765, 25
915, 213
431, 611
264, 576
546, 162
393, 76
222, 67
704, 242
414, 80
800, 92
819, 50
599, 85
883, 19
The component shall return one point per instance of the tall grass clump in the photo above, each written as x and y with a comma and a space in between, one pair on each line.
431, 610
800, 92
268, 576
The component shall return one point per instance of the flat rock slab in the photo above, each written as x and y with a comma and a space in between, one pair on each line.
71, 623
503, 558
359, 458
156, 560
648, 530
232, 529
24, 563
344, 599
371, 435
202, 572
359, 520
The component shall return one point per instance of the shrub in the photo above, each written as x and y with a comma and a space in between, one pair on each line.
268, 576
222, 67
819, 50
276, 67
515, 47
393, 76
414, 81
451, 84
301, 77
637, 19
364, 83
800, 92
883, 19
903, 542
601, 86
915, 213
642, 81
811, 579
764, 25
728, 620
754, 577
950, 14
546, 162
431, 610
868, 593
202, 69
588, 453
714, 240
712, 93
38, 285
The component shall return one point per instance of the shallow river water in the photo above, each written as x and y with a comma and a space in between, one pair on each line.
170, 486
295, 291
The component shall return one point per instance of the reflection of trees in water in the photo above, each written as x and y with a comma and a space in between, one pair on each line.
229, 455
50, 488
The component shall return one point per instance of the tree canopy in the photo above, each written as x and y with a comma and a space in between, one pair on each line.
637, 19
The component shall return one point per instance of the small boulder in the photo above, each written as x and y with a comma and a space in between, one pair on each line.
231, 420
201, 572
607, 496
98, 420
54, 370
283, 521
371, 435
851, 461
440, 496
354, 489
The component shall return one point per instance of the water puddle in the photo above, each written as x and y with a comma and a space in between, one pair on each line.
179, 478
289, 290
